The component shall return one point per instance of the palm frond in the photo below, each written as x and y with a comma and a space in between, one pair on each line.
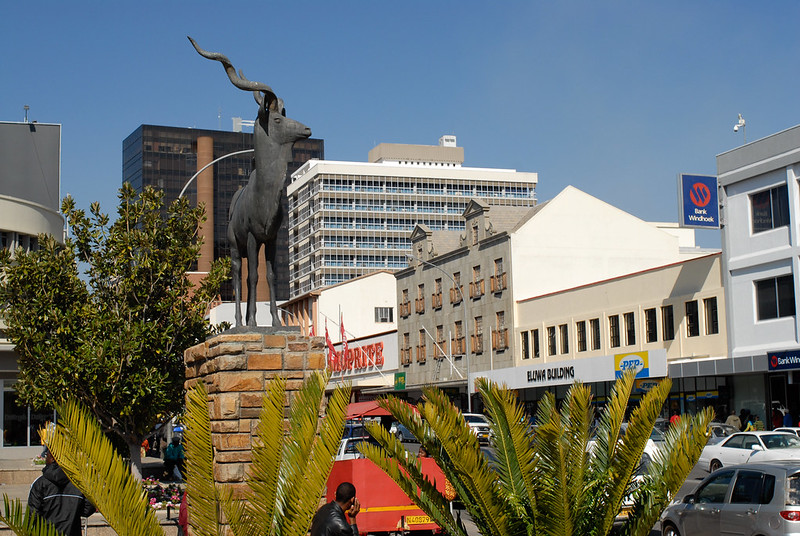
308, 485
201, 492
25, 523
515, 462
553, 496
91, 463
682, 447
267, 455
628, 452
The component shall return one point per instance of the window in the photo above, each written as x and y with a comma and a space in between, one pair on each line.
613, 330
476, 288
421, 350
747, 489
436, 298
668, 322
580, 331
458, 345
594, 324
630, 329
384, 314
770, 209
498, 280
420, 303
775, 297
477, 339
525, 344
439, 352
712, 323
715, 490
650, 328
500, 336
535, 341
692, 319
551, 340
474, 234
563, 333
455, 292
405, 351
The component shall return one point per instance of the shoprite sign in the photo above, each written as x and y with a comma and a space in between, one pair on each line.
784, 360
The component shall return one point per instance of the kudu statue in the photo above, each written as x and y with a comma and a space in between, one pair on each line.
256, 213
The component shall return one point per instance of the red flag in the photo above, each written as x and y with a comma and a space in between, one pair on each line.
344, 341
331, 349
311, 333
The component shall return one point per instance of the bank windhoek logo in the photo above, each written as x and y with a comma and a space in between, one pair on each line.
700, 194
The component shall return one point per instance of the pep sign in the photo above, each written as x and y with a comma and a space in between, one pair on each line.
637, 361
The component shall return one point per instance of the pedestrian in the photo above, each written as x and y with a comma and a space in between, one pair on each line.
183, 517
173, 459
733, 420
422, 453
750, 425
54, 498
758, 424
787, 419
743, 414
777, 418
675, 418
332, 518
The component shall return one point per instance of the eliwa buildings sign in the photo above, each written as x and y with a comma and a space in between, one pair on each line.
607, 368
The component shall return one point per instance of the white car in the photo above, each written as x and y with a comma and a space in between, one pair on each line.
789, 430
749, 447
479, 425
348, 448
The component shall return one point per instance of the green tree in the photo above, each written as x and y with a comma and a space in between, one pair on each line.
105, 317
287, 476
556, 480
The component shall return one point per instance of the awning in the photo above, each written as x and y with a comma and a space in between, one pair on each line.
369, 408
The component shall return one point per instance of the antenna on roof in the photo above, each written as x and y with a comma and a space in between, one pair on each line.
26, 108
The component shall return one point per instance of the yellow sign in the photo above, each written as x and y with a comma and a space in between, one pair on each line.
417, 520
638, 361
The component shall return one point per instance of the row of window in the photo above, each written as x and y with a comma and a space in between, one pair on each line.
455, 344
622, 329
497, 284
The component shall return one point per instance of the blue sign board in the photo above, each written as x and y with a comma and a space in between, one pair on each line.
699, 201
784, 360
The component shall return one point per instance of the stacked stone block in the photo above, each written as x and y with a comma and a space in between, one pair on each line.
236, 367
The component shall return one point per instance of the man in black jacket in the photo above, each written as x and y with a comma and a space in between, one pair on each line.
56, 499
330, 520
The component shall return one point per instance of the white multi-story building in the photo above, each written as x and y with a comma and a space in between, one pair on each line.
30, 181
760, 200
347, 219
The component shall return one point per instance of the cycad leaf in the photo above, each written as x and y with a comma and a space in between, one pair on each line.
25, 523
201, 491
91, 463
267, 455
515, 462
682, 447
307, 485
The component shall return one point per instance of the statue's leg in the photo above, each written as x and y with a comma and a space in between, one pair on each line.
269, 255
236, 279
252, 278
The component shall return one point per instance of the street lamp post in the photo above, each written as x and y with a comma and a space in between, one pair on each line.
466, 325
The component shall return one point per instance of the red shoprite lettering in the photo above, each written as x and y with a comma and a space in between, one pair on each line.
359, 358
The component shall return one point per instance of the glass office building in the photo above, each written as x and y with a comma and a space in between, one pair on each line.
167, 157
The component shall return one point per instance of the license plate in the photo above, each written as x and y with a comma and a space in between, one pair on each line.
417, 520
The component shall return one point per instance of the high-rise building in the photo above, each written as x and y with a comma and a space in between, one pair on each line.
348, 219
167, 157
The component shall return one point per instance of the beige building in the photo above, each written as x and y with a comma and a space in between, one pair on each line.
458, 300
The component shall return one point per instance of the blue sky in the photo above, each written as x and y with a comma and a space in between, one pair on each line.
615, 98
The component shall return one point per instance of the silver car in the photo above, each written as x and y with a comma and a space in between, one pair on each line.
748, 500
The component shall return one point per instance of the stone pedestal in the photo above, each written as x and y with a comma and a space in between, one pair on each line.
236, 367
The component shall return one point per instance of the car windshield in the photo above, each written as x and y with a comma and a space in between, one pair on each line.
780, 441
480, 419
